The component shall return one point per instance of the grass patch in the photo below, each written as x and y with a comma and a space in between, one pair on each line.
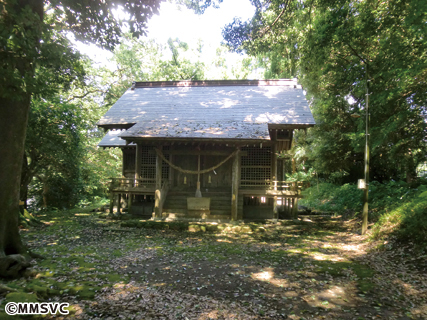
407, 222
244, 262
21, 297
361, 273
194, 227
156, 225
400, 209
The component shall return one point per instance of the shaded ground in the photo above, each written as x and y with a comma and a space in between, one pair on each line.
313, 269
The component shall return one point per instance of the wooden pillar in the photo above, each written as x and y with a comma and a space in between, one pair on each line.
294, 170
275, 209
235, 178
158, 171
295, 189
295, 208
111, 197
274, 178
274, 162
130, 196
111, 203
285, 206
171, 170
292, 208
286, 209
157, 196
119, 203
157, 206
123, 162
138, 162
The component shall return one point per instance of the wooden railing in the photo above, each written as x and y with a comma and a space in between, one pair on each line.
272, 184
129, 183
286, 185
126, 183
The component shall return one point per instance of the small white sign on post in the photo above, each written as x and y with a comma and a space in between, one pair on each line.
361, 184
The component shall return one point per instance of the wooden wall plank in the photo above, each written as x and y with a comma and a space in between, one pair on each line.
235, 187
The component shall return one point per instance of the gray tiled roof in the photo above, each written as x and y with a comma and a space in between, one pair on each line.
216, 109
112, 139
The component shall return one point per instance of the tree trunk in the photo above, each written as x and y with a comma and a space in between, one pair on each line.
13, 125
26, 177
14, 108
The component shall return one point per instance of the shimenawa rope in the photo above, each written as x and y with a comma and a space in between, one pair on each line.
192, 171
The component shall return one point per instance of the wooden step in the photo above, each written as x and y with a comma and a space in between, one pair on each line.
175, 206
176, 211
187, 214
178, 202
204, 194
220, 212
223, 207
183, 204
181, 216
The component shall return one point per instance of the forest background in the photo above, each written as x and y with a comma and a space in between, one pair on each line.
334, 47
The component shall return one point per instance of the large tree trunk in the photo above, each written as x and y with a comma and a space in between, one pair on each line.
13, 124
26, 178
14, 108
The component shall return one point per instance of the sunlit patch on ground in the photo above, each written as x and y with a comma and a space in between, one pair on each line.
223, 240
263, 276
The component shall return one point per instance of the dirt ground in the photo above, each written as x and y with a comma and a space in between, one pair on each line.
313, 268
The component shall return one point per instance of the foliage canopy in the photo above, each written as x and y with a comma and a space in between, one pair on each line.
336, 48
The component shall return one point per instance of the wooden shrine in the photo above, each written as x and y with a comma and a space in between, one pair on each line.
206, 149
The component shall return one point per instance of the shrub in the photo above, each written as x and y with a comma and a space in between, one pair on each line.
328, 197
407, 222
400, 211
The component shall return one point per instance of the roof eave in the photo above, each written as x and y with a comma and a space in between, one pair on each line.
115, 126
203, 140
291, 126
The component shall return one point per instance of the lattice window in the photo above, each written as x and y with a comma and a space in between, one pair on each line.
256, 166
257, 156
165, 166
148, 164
255, 176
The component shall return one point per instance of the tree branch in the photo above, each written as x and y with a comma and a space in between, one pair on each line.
263, 32
85, 94
356, 54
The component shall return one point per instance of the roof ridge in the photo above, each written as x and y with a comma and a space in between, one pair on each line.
215, 83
